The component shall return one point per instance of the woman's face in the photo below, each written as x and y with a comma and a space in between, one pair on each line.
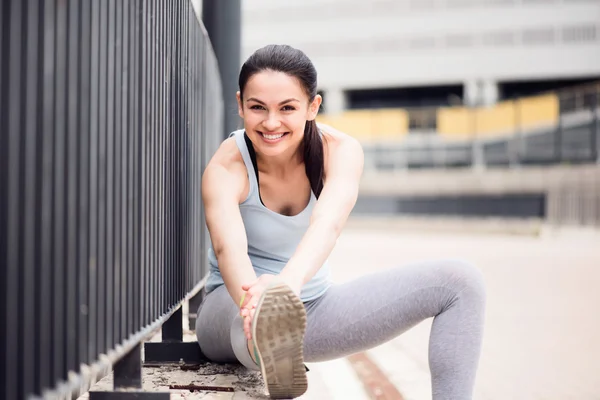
275, 109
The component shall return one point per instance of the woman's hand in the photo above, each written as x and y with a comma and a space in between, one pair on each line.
253, 292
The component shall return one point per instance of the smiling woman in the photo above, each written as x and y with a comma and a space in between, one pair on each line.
277, 195
281, 106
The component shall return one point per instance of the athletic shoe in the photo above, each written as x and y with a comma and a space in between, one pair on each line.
278, 330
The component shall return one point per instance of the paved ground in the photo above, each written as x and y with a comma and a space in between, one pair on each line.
543, 322
542, 329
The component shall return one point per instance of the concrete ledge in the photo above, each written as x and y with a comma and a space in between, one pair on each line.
527, 227
496, 181
461, 225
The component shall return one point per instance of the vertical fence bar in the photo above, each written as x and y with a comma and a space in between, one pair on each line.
168, 188
73, 168
192, 111
193, 119
125, 134
110, 166
59, 188
153, 168
183, 148
161, 154
134, 185
102, 174
13, 227
84, 102
137, 234
118, 159
199, 49
4, 24
167, 98
160, 107
46, 172
185, 132
186, 171
190, 128
203, 126
174, 159
4, 184
131, 130
178, 157
143, 164
93, 262
176, 142
30, 114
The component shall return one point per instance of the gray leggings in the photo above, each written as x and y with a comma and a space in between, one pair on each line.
364, 313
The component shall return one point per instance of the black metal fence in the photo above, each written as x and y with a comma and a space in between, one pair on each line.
109, 110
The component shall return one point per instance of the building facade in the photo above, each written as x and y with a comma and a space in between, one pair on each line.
402, 53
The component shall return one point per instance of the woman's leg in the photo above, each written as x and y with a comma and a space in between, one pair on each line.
220, 331
373, 309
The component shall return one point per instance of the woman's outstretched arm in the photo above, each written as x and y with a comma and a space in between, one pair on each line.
221, 191
344, 160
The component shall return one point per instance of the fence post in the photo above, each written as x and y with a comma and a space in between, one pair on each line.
128, 375
128, 370
172, 330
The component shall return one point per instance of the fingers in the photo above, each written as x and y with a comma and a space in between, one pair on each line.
247, 286
248, 323
248, 300
247, 327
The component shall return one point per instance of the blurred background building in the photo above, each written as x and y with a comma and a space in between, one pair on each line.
420, 62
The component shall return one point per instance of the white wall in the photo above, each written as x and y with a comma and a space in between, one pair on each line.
385, 43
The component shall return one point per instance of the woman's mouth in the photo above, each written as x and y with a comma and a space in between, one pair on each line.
272, 137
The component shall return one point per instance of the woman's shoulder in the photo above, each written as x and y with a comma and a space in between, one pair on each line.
227, 163
228, 155
335, 140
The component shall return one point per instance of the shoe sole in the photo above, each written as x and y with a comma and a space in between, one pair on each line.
278, 332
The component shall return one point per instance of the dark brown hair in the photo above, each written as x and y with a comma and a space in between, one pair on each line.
293, 62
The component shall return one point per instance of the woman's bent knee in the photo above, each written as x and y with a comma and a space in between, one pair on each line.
465, 278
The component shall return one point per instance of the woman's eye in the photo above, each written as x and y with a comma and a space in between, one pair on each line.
288, 108
256, 107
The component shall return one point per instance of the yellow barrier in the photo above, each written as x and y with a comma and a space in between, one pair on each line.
455, 122
504, 118
497, 120
539, 110
452, 122
369, 124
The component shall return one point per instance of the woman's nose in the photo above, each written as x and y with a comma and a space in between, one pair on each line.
271, 123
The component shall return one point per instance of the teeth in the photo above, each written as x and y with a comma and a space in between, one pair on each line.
273, 137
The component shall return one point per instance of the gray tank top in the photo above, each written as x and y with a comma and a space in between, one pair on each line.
272, 237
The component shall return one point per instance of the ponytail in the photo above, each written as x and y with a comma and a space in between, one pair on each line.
313, 157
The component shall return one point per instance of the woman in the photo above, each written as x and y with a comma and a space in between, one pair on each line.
277, 195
